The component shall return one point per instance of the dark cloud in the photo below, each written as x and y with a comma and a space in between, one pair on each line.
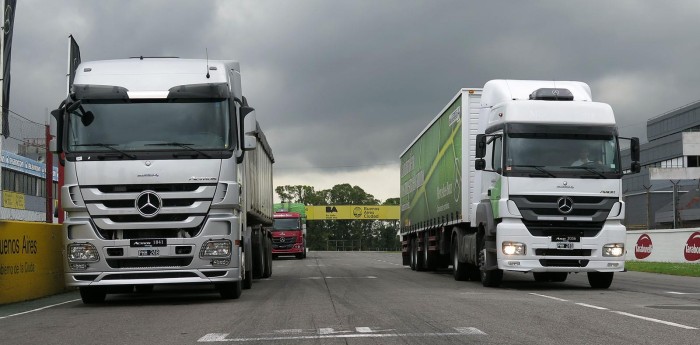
350, 83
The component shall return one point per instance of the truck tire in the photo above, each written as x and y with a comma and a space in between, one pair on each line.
420, 264
247, 276
268, 258
92, 294
229, 290
257, 258
412, 253
489, 278
429, 259
459, 269
600, 280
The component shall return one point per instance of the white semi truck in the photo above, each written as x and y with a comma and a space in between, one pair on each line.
168, 178
520, 176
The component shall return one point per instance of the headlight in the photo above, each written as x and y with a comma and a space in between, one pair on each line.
216, 248
614, 249
82, 252
513, 248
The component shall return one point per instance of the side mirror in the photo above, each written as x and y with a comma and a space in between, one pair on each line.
634, 149
480, 164
480, 151
87, 118
636, 167
250, 130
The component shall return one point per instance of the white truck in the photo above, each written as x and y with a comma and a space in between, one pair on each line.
519, 175
168, 178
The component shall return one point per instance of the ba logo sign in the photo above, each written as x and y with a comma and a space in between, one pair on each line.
643, 248
357, 212
692, 247
330, 209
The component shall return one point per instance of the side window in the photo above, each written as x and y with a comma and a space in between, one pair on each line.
496, 156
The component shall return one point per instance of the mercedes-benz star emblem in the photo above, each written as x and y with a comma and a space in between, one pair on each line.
565, 204
148, 203
282, 239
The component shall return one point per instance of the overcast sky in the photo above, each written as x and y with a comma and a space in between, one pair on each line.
342, 87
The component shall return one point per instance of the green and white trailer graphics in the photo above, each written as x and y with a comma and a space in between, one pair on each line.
433, 167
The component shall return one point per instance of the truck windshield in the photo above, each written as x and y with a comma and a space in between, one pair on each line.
150, 125
286, 224
561, 155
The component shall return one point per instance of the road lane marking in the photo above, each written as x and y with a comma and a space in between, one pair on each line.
222, 337
653, 320
550, 297
669, 323
591, 306
683, 293
37, 309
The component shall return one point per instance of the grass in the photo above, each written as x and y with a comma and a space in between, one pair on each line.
672, 268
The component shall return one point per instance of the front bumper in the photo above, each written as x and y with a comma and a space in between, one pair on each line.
542, 254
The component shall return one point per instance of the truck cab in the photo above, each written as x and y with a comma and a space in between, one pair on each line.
288, 235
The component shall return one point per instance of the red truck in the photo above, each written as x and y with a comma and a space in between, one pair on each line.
288, 235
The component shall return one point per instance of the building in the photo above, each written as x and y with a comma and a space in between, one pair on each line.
24, 188
674, 143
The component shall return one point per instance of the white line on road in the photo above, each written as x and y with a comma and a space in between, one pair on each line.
461, 331
653, 320
683, 293
669, 323
37, 309
550, 297
591, 306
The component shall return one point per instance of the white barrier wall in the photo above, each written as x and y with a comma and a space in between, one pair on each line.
679, 245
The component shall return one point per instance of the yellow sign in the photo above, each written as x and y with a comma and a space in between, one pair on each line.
31, 261
352, 212
13, 200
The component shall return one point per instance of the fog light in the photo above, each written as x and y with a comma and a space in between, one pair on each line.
82, 252
513, 248
216, 248
220, 262
614, 249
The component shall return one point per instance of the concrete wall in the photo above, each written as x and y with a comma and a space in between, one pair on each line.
679, 245
31, 260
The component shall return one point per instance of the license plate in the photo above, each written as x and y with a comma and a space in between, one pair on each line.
566, 238
149, 242
149, 252
565, 245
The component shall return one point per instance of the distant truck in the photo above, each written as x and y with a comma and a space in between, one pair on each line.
289, 231
521, 176
168, 178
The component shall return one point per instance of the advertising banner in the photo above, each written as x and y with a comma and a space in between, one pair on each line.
352, 212
431, 170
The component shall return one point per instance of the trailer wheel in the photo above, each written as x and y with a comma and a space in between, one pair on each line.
459, 269
92, 294
429, 259
489, 278
600, 280
420, 264
412, 253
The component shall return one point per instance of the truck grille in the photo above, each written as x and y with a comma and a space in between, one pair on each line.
150, 263
536, 207
563, 263
287, 240
562, 252
179, 211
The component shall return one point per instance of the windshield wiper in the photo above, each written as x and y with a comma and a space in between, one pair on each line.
589, 169
109, 146
538, 167
183, 145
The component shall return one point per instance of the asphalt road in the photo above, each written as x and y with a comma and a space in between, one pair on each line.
369, 298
